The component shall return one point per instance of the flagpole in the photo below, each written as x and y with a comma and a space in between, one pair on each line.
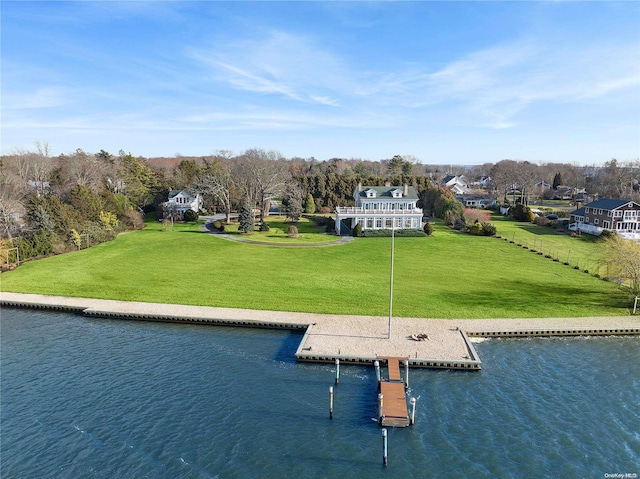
393, 226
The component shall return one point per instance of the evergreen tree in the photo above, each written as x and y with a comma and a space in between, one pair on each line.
309, 205
245, 218
557, 181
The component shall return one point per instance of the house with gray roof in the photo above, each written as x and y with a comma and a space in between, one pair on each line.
380, 207
619, 216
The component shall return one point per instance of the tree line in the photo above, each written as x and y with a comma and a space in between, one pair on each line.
49, 204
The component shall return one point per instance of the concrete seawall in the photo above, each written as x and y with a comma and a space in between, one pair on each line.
428, 343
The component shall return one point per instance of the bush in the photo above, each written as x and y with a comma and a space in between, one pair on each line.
325, 210
264, 227
607, 234
385, 233
217, 224
292, 232
330, 226
476, 229
356, 232
521, 212
488, 229
541, 221
190, 215
428, 229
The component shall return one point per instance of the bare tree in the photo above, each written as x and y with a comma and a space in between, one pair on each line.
505, 176
216, 182
622, 257
261, 175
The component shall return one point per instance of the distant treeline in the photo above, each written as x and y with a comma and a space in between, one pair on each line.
331, 190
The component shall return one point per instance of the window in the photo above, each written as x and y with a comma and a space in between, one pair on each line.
369, 222
378, 222
586, 210
586, 219
596, 221
606, 225
599, 212
617, 214
388, 223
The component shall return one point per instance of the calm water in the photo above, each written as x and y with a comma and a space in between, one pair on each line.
108, 399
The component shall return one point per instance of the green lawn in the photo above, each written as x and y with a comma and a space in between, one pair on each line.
308, 232
447, 275
582, 251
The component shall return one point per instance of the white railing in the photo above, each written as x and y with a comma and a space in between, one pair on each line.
352, 210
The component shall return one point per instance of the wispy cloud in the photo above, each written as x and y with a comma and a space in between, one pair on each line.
277, 63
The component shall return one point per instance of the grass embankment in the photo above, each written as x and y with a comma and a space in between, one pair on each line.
448, 275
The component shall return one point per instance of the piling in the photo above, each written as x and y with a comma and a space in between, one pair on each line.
330, 402
337, 371
406, 374
380, 401
376, 365
413, 411
384, 446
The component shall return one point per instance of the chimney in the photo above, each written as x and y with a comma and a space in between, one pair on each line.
359, 187
405, 191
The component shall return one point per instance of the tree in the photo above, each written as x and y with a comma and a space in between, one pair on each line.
557, 181
395, 165
261, 175
293, 201
246, 219
216, 182
622, 258
140, 183
309, 204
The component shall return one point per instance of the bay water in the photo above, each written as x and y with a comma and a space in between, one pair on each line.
84, 397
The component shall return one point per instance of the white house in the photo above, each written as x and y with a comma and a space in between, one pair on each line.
381, 207
181, 201
457, 184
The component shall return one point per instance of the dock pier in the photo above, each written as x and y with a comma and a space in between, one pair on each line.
393, 410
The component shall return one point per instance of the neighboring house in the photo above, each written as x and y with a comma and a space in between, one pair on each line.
457, 184
477, 201
181, 201
381, 207
620, 216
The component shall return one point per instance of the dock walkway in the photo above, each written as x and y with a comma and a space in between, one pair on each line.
394, 402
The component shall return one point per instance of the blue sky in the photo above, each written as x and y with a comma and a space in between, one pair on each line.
446, 82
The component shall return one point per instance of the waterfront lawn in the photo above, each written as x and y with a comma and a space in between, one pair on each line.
447, 275
582, 251
308, 232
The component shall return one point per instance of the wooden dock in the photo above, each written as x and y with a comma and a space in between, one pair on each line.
394, 402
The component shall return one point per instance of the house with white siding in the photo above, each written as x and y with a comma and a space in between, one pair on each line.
380, 207
181, 201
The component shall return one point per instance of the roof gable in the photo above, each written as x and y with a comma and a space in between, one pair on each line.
610, 204
386, 192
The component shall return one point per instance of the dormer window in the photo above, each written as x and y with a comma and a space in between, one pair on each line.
396, 193
371, 193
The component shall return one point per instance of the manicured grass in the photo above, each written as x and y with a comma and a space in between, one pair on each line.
308, 232
447, 275
582, 251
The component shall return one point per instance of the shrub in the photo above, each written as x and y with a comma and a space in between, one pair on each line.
190, 215
292, 232
264, 227
356, 232
473, 215
521, 212
330, 226
245, 219
325, 210
427, 228
607, 234
476, 229
217, 224
488, 229
541, 221
387, 233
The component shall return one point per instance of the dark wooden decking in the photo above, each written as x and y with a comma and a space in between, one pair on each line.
394, 401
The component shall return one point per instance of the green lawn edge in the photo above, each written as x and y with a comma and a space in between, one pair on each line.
448, 275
